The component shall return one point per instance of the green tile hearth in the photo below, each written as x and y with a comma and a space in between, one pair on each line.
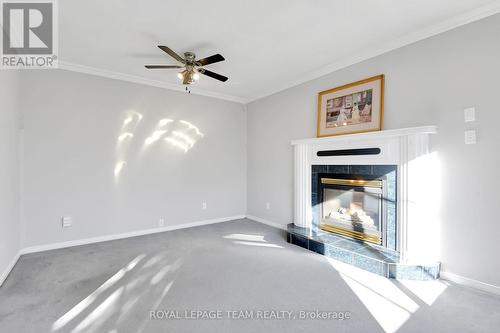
372, 258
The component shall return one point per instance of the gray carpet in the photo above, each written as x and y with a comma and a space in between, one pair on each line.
238, 265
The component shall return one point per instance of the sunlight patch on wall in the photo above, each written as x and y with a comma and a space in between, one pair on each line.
185, 136
155, 136
118, 168
124, 136
158, 132
192, 127
133, 117
164, 122
189, 141
178, 143
127, 121
180, 134
423, 208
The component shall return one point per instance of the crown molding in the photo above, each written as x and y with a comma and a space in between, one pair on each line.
455, 22
69, 66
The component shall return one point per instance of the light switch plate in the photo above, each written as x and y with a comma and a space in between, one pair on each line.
470, 137
470, 114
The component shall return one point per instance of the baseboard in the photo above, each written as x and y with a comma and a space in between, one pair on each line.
264, 221
9, 268
54, 246
489, 288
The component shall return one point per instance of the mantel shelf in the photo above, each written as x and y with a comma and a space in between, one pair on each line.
369, 135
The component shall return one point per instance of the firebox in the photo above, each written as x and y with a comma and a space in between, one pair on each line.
353, 206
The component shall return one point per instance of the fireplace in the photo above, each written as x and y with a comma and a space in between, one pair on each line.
356, 202
353, 206
360, 199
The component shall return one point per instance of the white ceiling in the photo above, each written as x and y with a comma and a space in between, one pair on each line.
269, 45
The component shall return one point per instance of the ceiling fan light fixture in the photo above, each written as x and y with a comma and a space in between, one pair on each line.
187, 77
192, 67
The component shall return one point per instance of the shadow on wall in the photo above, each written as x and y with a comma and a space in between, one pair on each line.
180, 134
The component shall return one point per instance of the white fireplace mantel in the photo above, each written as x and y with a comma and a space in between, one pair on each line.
408, 148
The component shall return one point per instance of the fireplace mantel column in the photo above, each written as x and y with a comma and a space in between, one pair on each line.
302, 212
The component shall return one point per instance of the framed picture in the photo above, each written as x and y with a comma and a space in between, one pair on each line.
352, 108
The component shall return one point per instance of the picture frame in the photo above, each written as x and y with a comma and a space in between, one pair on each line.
351, 108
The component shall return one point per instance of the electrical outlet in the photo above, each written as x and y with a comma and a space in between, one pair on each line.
161, 222
268, 205
203, 205
470, 137
66, 221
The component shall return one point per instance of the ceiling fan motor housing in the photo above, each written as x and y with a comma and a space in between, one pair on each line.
190, 56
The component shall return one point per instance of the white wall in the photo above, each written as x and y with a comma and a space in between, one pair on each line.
427, 83
9, 170
72, 124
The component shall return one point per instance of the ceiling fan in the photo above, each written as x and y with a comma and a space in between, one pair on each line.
192, 67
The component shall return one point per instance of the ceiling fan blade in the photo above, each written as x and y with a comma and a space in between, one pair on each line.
171, 53
162, 66
210, 60
213, 75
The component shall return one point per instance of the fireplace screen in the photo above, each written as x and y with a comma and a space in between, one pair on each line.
353, 208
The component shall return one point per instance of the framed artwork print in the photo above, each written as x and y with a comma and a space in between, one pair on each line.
352, 108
